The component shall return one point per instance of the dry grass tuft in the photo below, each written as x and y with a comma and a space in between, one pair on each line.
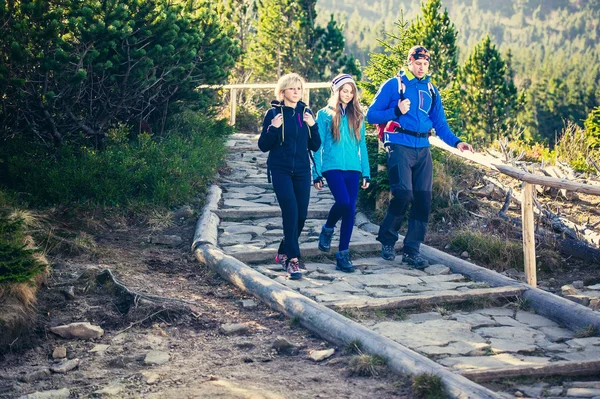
160, 219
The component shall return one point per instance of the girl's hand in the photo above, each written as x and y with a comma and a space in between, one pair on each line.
309, 119
277, 121
365, 183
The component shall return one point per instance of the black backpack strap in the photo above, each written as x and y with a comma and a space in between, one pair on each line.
433, 96
401, 87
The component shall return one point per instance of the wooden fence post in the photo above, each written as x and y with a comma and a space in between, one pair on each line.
233, 103
528, 234
306, 98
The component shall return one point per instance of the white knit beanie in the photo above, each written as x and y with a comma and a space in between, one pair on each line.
341, 80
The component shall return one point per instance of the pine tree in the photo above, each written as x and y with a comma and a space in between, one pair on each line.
437, 33
489, 94
384, 65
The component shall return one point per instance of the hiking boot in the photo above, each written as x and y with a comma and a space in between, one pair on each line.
293, 269
343, 262
282, 260
325, 239
388, 252
415, 260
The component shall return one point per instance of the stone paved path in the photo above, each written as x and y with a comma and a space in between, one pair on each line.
464, 325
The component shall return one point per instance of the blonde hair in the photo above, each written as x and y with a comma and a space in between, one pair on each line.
353, 112
287, 81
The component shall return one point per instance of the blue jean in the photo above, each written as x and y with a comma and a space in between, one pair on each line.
293, 193
344, 188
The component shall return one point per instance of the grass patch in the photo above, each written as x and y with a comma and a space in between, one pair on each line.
491, 250
428, 386
367, 365
589, 331
295, 321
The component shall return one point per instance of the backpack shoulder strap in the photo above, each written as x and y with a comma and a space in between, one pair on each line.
401, 87
433, 96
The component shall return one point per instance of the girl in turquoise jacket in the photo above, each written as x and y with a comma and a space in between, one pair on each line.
341, 159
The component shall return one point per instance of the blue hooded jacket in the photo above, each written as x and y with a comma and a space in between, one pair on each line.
288, 144
348, 154
418, 118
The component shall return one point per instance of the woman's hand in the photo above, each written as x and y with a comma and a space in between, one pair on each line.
365, 183
309, 119
318, 183
277, 121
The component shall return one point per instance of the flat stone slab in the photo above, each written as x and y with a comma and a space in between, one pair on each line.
429, 333
474, 319
455, 348
491, 362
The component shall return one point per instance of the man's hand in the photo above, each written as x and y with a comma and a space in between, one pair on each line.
404, 105
365, 183
462, 146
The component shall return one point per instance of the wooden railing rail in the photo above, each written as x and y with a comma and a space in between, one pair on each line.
233, 88
527, 202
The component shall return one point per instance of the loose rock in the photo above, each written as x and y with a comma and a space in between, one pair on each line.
83, 330
53, 394
234, 328
65, 366
156, 358
60, 352
318, 356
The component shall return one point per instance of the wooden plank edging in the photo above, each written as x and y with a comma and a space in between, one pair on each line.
410, 301
588, 367
567, 313
333, 326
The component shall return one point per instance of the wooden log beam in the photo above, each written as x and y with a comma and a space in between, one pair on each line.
548, 181
334, 327
588, 367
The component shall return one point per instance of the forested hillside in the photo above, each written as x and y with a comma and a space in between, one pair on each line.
537, 28
550, 50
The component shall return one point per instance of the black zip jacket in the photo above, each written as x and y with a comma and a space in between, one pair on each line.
289, 144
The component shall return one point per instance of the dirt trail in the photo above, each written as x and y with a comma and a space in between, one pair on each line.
203, 362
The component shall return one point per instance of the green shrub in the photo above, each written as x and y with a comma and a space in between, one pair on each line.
131, 170
70, 70
17, 263
492, 250
248, 119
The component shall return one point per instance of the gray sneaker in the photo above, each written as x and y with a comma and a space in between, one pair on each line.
416, 260
388, 252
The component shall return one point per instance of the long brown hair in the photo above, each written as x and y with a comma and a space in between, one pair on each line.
353, 112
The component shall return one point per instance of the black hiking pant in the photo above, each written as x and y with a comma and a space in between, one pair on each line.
410, 172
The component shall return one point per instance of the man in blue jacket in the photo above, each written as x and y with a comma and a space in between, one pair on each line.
414, 107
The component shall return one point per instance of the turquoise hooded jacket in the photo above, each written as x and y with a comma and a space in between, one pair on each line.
348, 154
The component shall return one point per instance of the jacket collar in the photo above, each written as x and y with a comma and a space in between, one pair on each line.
409, 75
280, 104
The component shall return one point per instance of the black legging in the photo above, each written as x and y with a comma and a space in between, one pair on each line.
293, 193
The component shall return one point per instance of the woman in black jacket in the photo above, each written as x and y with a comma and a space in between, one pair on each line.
289, 132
